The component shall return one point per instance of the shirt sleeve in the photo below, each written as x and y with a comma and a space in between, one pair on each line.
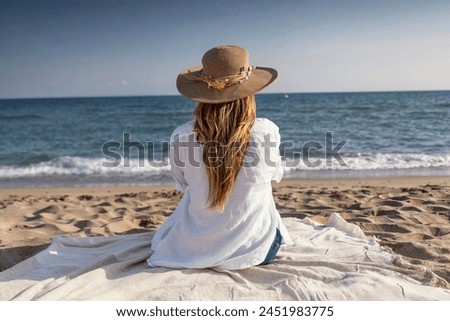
176, 163
279, 170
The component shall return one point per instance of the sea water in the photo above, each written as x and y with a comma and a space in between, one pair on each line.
62, 141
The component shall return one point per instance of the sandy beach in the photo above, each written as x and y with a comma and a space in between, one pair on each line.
409, 215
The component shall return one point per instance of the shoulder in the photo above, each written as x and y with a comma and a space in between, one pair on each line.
264, 126
184, 129
265, 123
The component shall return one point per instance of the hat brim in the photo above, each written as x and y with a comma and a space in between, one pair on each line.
199, 91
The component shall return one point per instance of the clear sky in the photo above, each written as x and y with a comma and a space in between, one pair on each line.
72, 48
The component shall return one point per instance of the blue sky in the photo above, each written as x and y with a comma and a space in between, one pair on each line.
115, 48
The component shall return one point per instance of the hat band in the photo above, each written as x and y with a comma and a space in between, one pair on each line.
221, 83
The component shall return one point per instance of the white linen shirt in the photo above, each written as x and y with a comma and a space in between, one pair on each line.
195, 236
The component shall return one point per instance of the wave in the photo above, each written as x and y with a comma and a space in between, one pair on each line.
21, 117
372, 161
67, 165
91, 171
442, 105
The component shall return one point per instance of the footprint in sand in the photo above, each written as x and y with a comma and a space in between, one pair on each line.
439, 209
85, 197
356, 206
142, 208
390, 228
52, 209
411, 208
101, 210
400, 198
150, 221
103, 204
83, 224
393, 214
119, 200
359, 219
130, 195
391, 203
413, 250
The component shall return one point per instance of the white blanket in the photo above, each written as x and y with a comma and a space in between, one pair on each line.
333, 262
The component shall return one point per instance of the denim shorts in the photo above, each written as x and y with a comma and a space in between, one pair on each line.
273, 249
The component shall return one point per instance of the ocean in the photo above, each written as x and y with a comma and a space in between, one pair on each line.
61, 141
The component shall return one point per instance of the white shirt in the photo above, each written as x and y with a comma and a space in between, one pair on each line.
195, 236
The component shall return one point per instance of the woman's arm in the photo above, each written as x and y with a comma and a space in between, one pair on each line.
176, 163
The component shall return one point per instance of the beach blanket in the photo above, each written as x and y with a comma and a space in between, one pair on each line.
335, 261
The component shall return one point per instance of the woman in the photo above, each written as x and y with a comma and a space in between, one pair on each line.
223, 162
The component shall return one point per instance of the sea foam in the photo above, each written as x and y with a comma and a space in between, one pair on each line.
93, 170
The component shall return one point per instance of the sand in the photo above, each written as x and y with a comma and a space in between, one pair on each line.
409, 215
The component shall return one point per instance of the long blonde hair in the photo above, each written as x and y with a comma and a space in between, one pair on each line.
224, 130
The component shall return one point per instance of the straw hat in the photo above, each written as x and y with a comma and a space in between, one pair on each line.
225, 75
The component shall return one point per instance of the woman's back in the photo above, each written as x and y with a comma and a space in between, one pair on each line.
240, 235
224, 162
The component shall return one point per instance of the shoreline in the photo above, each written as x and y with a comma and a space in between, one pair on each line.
394, 181
408, 215
148, 178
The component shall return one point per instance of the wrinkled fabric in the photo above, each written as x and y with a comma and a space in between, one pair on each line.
195, 236
333, 262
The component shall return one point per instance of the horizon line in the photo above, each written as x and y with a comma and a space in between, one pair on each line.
264, 93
